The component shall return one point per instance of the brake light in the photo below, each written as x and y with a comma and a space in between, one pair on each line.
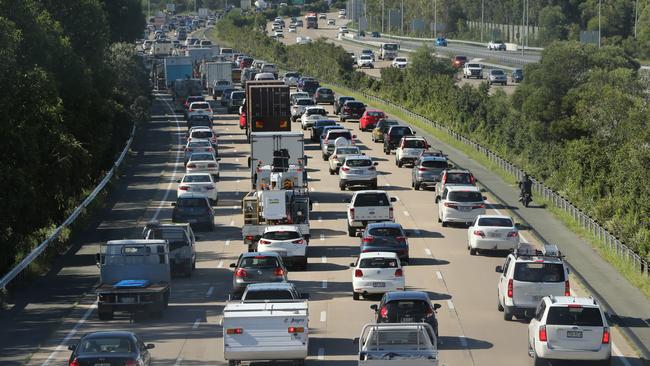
74, 362
510, 288
352, 213
249, 237
482, 205
390, 213
513, 234
131, 363
358, 273
479, 233
471, 178
295, 330
298, 241
567, 288
184, 188
278, 271
345, 169
241, 273
423, 169
383, 312
398, 272
606, 336
192, 165
210, 149
451, 205
368, 239
234, 331
400, 238
262, 241
542, 334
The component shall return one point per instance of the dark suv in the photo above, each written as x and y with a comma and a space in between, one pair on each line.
257, 267
309, 86
352, 109
324, 95
407, 307
394, 135
194, 209
385, 237
339, 101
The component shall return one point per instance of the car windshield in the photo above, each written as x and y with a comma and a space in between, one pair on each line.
202, 134
191, 202
238, 95
304, 101
465, 196
201, 157
414, 144
539, 272
578, 316
460, 178
378, 262
323, 123
497, 72
281, 235
203, 178
268, 295
400, 131
336, 134
390, 47
105, 345
495, 221
399, 309
200, 143
400, 59
371, 199
434, 164
318, 111
376, 114
354, 104
347, 150
365, 57
310, 84
259, 261
385, 231
355, 163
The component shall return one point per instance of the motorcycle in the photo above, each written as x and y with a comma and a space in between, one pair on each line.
526, 198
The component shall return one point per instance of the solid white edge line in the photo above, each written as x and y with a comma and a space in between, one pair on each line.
227, 242
322, 236
179, 360
323, 259
450, 304
321, 353
427, 251
617, 353
232, 223
210, 291
323, 316
174, 172
196, 323
220, 264
439, 275
63, 345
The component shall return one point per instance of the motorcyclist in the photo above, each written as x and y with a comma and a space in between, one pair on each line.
525, 187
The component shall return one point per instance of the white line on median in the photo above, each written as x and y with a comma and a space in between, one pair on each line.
439, 275
324, 284
234, 207
227, 242
232, 223
323, 316
176, 163
322, 236
406, 213
450, 304
210, 290
312, 188
237, 160
323, 259
320, 219
178, 361
64, 343
196, 323
321, 353
427, 251
315, 203
220, 264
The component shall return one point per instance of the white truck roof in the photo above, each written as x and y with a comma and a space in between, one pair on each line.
266, 309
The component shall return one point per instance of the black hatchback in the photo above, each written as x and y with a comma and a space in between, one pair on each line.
110, 348
352, 109
407, 307
394, 135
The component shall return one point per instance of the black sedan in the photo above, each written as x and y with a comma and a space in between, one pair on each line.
385, 237
407, 307
110, 348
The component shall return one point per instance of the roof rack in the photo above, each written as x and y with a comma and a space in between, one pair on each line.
548, 250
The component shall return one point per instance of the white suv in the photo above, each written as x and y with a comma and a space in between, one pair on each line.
460, 204
569, 328
307, 122
527, 276
358, 170
287, 241
409, 149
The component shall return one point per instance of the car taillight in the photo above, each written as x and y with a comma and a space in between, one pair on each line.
188, 149
482, 205
249, 237
429, 312
471, 179
451, 205
510, 288
296, 330
278, 271
210, 149
325, 141
383, 312
345, 169
262, 241
606, 336
241, 273
298, 241
479, 233
513, 234
184, 188
192, 165
358, 273
368, 239
106, 298
400, 238
352, 213
74, 362
390, 213
131, 363
567, 288
423, 169
542, 333
398, 272
346, 108
234, 331
212, 165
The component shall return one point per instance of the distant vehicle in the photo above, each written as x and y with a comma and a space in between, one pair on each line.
264, 76
182, 244
235, 100
324, 95
203, 162
427, 170
454, 177
257, 267
368, 52
113, 347
195, 209
400, 62
303, 40
407, 307
331, 22
343, 30
197, 145
376, 273
317, 128
369, 119
368, 206
517, 76
381, 128
460, 204
357, 170
441, 42
202, 133
388, 51
375, 34
394, 135
338, 156
497, 45
415, 347
198, 183
409, 149
279, 33
305, 121
329, 142
312, 21
199, 108
287, 241
492, 232
298, 108
293, 97
472, 70
458, 61
199, 120
292, 28
497, 76
352, 109
339, 101
365, 61
385, 237
272, 291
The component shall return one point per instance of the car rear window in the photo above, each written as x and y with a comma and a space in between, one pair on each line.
497, 72
191, 202
202, 134
358, 162
238, 95
281, 235
201, 157
105, 345
200, 105
465, 196
434, 164
195, 99
200, 143
304, 101
203, 178
414, 144
495, 221
310, 84
322, 123
371, 199
325, 91
336, 134
460, 178
578, 316
347, 150
385, 231
319, 111
269, 295
354, 105
397, 309
376, 114
476, 66
400, 131
402, 337
378, 263
539, 272
259, 261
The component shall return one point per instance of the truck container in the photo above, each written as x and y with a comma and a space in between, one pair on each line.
267, 106
215, 71
289, 146
183, 88
198, 55
177, 67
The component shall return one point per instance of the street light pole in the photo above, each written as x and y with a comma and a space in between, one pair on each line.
523, 22
482, 18
382, 15
636, 15
599, 27
402, 14
435, 18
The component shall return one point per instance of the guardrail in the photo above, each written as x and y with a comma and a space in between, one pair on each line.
73, 216
638, 263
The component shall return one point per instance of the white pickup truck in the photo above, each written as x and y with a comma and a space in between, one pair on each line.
369, 206
403, 344
266, 331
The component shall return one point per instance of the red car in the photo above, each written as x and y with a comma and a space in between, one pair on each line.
458, 61
370, 118
242, 121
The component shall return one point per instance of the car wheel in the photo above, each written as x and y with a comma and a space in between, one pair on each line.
324, 157
499, 306
473, 251
351, 231
342, 186
506, 314
444, 223
416, 186
331, 171
538, 361
342, 119
355, 296
399, 163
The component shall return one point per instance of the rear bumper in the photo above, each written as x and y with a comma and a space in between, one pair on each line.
544, 350
257, 353
366, 287
364, 223
490, 244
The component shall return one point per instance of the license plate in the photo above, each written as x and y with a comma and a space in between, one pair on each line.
356, 171
407, 319
127, 300
465, 208
371, 212
102, 364
378, 284
574, 334
494, 235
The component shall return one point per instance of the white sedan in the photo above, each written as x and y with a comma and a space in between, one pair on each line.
303, 40
376, 273
400, 62
197, 145
203, 163
492, 232
286, 240
311, 115
338, 156
200, 183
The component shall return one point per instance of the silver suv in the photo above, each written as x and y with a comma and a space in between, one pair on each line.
497, 76
427, 169
358, 170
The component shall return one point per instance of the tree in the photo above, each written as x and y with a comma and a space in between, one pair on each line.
126, 19
552, 23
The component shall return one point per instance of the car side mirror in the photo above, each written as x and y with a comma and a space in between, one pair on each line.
352, 265
151, 346
304, 296
436, 306
72, 347
233, 265
359, 234
393, 199
498, 269
374, 307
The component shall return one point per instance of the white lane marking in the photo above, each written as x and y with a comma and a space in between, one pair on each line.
172, 180
312, 188
227, 242
308, 176
237, 160
220, 264
323, 259
234, 207
620, 355
315, 203
439, 275
320, 219
323, 316
463, 341
406, 213
234, 150
387, 184
196, 323
324, 284
321, 353
232, 223
64, 343
450, 304
427, 251
211, 289
178, 361
322, 236
238, 180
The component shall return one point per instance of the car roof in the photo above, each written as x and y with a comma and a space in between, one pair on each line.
374, 110
313, 106
185, 195
573, 300
199, 140
110, 333
257, 254
271, 286
383, 224
433, 157
457, 171
493, 217
378, 255
281, 228
462, 187
406, 295
357, 156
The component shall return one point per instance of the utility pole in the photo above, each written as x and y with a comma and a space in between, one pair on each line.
636, 15
482, 18
599, 27
382, 15
402, 14
523, 22
435, 18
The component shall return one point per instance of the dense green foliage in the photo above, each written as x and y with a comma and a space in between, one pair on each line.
579, 122
69, 97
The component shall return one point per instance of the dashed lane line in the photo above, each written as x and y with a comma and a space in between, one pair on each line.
323, 316
210, 291
439, 275
196, 324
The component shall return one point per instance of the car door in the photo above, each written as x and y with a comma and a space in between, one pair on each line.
503, 280
144, 352
441, 204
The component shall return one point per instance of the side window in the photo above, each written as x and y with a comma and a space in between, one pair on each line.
506, 265
540, 310
444, 194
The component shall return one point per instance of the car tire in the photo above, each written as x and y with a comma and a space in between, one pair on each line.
506, 314
444, 223
355, 296
386, 152
538, 361
499, 306
399, 163
342, 186
324, 157
331, 172
473, 251
351, 231
416, 186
